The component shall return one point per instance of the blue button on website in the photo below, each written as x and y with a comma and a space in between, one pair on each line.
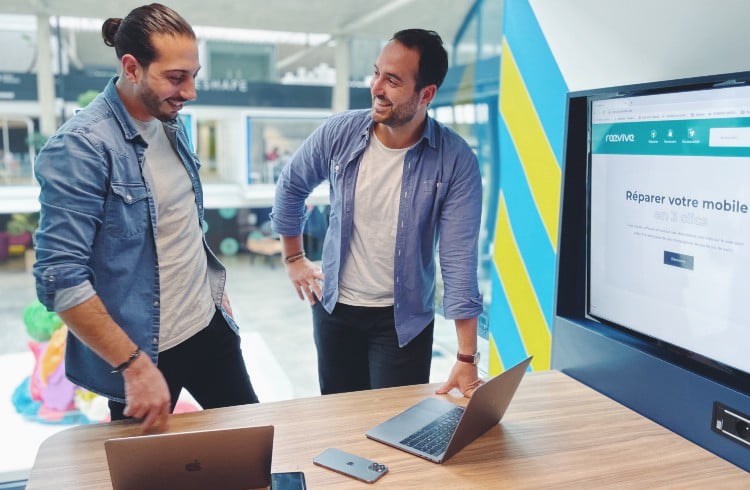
678, 260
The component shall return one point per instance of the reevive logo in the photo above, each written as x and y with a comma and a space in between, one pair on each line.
620, 138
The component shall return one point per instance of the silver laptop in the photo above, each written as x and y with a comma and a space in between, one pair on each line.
216, 459
436, 429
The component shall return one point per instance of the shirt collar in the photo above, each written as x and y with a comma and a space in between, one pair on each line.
129, 128
118, 109
429, 132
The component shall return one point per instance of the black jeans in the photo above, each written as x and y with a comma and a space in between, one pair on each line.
358, 350
209, 365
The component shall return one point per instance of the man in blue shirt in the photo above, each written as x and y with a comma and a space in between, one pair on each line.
120, 249
401, 184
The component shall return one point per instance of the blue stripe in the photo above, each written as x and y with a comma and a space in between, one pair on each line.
503, 326
539, 70
528, 228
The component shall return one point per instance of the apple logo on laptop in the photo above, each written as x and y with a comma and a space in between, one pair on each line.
194, 466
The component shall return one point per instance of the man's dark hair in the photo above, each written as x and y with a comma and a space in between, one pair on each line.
433, 59
132, 35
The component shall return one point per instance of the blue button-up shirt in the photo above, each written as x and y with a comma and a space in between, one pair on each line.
97, 224
441, 203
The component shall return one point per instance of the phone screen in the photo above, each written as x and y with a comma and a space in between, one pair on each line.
293, 480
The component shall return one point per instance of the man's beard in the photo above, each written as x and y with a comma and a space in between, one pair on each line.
399, 115
153, 104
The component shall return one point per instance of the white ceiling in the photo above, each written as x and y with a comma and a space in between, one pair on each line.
373, 19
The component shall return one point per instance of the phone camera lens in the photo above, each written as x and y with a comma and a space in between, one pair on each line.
743, 430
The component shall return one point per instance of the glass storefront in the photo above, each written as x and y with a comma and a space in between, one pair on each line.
272, 141
16, 150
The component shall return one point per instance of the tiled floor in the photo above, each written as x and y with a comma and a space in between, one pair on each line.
276, 337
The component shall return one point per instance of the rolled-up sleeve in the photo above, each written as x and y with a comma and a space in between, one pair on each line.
307, 168
73, 189
69, 297
459, 237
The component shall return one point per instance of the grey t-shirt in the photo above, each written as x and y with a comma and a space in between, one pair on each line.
186, 305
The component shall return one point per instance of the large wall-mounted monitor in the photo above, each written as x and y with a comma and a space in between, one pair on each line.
653, 286
669, 223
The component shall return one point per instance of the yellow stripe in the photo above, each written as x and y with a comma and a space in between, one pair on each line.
538, 161
524, 304
496, 364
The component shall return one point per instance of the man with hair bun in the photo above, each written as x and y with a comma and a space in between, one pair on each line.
120, 250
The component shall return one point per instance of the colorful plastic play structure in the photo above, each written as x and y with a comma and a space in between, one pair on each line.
47, 396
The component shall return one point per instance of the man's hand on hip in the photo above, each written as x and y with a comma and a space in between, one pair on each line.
225, 303
306, 278
146, 395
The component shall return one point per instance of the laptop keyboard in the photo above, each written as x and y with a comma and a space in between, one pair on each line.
433, 438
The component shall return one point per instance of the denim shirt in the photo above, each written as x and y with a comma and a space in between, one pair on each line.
97, 224
441, 203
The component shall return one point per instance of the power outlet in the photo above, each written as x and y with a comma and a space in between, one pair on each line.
731, 423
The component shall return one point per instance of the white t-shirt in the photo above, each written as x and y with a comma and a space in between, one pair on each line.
367, 275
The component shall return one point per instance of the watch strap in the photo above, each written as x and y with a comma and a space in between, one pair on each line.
468, 358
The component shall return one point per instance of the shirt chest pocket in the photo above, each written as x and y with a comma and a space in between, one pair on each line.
428, 203
126, 211
433, 193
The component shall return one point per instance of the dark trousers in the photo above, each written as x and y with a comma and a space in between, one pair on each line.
209, 365
358, 350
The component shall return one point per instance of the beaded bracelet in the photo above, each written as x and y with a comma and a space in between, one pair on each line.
122, 367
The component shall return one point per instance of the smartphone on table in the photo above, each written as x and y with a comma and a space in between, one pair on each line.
352, 465
292, 480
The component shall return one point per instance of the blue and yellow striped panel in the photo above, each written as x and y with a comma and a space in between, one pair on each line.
531, 131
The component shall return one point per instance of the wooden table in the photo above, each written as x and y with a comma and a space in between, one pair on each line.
557, 433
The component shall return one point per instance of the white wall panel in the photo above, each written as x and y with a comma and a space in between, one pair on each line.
602, 43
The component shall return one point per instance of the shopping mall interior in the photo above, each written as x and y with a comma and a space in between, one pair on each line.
522, 83
271, 74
